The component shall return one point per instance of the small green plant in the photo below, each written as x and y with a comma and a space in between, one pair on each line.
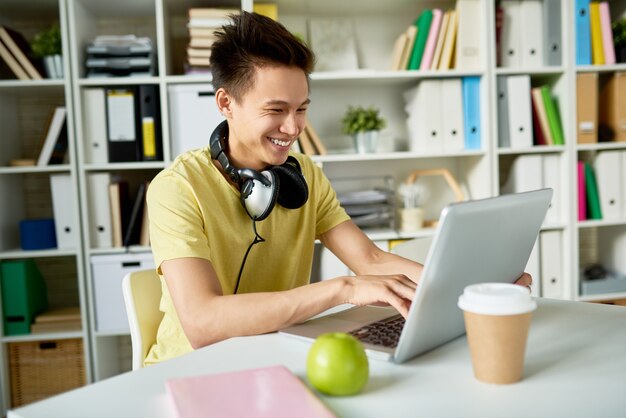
619, 33
360, 119
47, 43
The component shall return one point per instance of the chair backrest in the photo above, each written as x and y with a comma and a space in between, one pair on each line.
142, 295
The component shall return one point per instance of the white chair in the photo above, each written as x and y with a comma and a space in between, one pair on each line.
142, 295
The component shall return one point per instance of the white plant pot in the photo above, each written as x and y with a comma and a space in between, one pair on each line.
365, 142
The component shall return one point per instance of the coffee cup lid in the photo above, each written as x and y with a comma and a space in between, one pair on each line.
496, 299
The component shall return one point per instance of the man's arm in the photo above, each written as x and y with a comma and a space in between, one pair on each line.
208, 316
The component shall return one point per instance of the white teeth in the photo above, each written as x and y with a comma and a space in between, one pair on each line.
280, 143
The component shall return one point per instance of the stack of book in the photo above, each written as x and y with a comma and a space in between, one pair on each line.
202, 24
57, 320
309, 142
594, 37
16, 59
119, 56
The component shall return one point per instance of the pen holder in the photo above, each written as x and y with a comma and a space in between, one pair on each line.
411, 219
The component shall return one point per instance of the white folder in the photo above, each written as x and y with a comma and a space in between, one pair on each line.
63, 205
452, 110
552, 179
526, 174
608, 165
511, 36
424, 122
99, 210
533, 267
94, 126
194, 115
531, 12
520, 119
471, 23
551, 265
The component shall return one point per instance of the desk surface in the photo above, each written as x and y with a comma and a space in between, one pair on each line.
575, 367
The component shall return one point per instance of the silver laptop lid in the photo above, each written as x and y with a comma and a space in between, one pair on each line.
486, 240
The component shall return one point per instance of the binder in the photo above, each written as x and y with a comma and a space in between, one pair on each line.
532, 36
24, 295
597, 50
471, 112
551, 168
504, 140
120, 211
594, 210
552, 286
431, 41
552, 113
63, 206
94, 126
538, 136
587, 108
608, 169
582, 191
511, 35
55, 144
122, 130
583, 33
552, 32
144, 235
133, 231
100, 234
542, 117
520, 119
423, 25
449, 43
526, 174
411, 34
20, 49
194, 115
424, 122
607, 34
398, 48
613, 106
469, 55
441, 36
452, 130
150, 116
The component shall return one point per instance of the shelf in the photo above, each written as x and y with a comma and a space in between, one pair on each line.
531, 71
401, 155
601, 68
140, 165
133, 249
601, 223
390, 234
42, 336
358, 77
602, 297
36, 169
17, 253
117, 81
189, 79
538, 149
31, 84
601, 146
553, 227
119, 333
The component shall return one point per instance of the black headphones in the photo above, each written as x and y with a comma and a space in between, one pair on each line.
260, 190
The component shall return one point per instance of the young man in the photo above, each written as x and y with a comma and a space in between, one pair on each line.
216, 285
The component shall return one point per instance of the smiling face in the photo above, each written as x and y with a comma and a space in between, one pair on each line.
267, 119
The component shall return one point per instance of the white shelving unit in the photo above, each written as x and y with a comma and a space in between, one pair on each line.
481, 172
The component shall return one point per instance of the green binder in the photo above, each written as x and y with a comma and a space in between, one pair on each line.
552, 113
423, 27
24, 295
594, 210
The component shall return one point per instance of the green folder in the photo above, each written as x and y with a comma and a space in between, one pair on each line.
594, 210
552, 113
23, 295
423, 27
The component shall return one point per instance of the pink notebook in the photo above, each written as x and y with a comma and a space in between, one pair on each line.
607, 33
431, 41
266, 392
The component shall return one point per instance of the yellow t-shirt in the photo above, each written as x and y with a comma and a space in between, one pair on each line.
195, 212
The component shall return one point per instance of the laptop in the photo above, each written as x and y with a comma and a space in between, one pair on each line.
488, 240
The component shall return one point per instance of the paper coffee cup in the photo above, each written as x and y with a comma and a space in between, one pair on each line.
497, 319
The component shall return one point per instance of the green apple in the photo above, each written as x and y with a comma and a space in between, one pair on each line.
337, 364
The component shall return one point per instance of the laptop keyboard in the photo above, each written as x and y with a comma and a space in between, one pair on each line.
385, 332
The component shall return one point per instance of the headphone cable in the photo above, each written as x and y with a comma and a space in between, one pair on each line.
257, 239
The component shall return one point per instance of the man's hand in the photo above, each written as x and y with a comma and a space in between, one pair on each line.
396, 290
525, 280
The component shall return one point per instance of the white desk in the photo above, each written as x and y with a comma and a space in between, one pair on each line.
575, 367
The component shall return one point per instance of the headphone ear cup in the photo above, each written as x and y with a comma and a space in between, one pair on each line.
294, 192
259, 199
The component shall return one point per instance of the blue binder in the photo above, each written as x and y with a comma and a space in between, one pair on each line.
583, 33
471, 112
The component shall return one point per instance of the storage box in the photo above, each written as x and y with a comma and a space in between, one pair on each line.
39, 369
24, 295
194, 116
107, 274
37, 234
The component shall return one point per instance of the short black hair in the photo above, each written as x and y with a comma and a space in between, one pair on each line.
251, 41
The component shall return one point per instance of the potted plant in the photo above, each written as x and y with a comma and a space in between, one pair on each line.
619, 39
47, 46
363, 124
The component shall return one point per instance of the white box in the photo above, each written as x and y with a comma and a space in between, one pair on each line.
194, 115
107, 272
